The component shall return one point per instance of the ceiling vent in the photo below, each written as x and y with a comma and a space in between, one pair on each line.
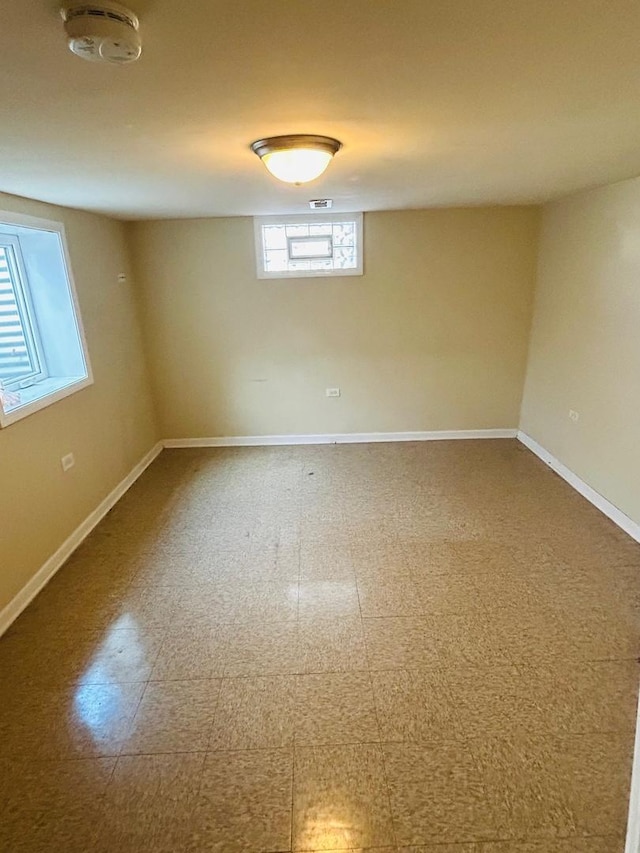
102, 32
321, 203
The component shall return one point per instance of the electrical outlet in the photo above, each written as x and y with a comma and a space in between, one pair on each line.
573, 415
68, 461
332, 392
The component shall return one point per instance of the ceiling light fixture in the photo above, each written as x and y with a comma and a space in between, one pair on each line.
298, 158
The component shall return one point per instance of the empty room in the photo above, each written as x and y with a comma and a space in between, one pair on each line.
319, 426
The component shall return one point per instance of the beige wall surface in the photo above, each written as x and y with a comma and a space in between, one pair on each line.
585, 344
432, 337
109, 426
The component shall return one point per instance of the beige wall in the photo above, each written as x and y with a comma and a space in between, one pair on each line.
432, 337
108, 426
585, 345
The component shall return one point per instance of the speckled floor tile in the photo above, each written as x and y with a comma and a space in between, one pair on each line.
262, 649
328, 599
399, 597
444, 634
94, 585
594, 772
52, 806
121, 653
415, 706
151, 606
174, 716
192, 651
237, 604
528, 639
466, 640
173, 567
340, 798
70, 829
331, 645
325, 562
562, 635
360, 850
439, 793
584, 696
598, 636
496, 700
322, 534
381, 560
427, 558
269, 561
601, 844
254, 713
400, 643
441, 848
149, 803
532, 796
455, 592
244, 803
334, 708
82, 721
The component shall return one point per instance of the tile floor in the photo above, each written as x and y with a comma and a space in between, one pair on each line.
410, 647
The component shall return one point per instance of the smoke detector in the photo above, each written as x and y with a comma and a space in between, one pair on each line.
102, 32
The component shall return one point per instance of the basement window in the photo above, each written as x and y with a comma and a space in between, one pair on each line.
326, 244
43, 354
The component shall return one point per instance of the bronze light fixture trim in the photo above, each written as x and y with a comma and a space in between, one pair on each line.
296, 158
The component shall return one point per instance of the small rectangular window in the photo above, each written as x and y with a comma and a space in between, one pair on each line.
43, 355
318, 245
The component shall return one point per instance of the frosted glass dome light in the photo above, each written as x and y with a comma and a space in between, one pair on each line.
296, 159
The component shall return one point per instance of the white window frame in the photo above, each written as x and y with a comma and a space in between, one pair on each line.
303, 219
23, 220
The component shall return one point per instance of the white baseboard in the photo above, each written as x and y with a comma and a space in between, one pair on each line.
632, 844
337, 438
44, 574
610, 510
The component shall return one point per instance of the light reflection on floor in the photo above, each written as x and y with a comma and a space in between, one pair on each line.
97, 706
331, 830
98, 701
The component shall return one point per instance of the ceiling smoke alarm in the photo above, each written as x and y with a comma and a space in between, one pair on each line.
102, 32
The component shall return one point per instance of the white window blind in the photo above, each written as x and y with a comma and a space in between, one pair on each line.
20, 360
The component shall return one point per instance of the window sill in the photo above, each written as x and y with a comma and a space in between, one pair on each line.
42, 394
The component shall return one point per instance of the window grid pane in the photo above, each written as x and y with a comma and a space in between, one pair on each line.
323, 230
275, 237
298, 230
276, 246
344, 234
